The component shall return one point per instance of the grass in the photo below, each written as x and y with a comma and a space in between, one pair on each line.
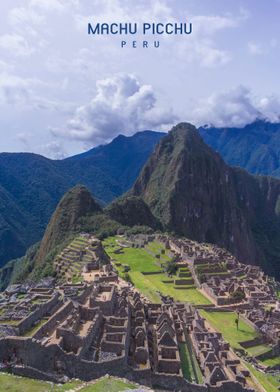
151, 284
11, 383
186, 364
139, 260
272, 361
269, 383
190, 366
258, 350
224, 322
36, 327
143, 284
10, 322
109, 385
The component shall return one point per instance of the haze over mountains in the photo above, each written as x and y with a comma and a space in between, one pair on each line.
255, 147
245, 213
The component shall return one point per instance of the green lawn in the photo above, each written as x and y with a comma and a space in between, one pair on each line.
156, 247
186, 364
150, 284
269, 383
190, 366
224, 322
258, 350
109, 385
139, 260
13, 383
272, 361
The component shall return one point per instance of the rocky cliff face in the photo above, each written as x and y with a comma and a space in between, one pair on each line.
74, 205
195, 194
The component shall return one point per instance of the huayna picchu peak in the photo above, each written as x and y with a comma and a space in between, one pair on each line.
194, 193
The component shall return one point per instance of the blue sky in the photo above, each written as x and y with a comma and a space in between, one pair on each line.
62, 91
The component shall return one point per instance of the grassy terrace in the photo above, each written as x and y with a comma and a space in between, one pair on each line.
151, 284
268, 382
140, 261
258, 350
225, 323
13, 383
109, 385
35, 328
272, 361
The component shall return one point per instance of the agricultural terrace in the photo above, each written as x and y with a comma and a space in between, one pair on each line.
144, 267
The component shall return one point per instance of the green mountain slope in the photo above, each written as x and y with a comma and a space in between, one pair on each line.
195, 194
76, 212
32, 185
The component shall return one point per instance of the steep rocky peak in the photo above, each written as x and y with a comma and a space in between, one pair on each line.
75, 204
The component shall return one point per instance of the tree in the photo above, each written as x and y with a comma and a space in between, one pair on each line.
170, 267
127, 277
238, 295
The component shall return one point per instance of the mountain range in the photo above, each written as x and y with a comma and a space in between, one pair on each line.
255, 147
32, 185
185, 187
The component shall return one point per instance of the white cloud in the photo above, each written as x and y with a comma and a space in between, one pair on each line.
235, 108
121, 105
211, 24
210, 56
201, 47
15, 44
14, 90
24, 15
257, 49
55, 5
53, 150
24, 138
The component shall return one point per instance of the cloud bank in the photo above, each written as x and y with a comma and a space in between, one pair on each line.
121, 105
236, 108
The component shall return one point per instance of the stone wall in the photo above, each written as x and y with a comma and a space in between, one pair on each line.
50, 325
253, 342
37, 315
